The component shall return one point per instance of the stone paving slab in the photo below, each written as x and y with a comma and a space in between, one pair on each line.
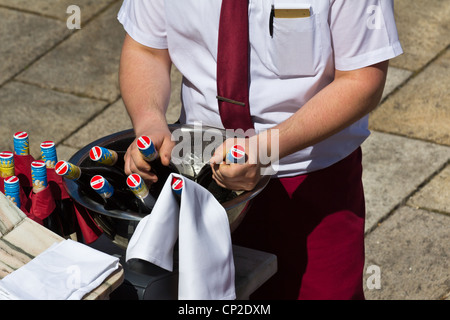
411, 249
87, 64
29, 38
111, 120
424, 28
393, 169
421, 109
44, 114
435, 195
115, 118
57, 8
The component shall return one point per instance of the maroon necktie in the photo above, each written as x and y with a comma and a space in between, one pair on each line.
233, 65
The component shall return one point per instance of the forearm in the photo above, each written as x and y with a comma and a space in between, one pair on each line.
351, 96
145, 83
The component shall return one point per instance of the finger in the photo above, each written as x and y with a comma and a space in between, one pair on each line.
165, 151
135, 163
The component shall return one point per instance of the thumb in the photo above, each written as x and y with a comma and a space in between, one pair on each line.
165, 151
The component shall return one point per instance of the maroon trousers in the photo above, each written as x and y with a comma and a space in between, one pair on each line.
314, 224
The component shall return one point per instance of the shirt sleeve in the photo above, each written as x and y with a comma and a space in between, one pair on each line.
144, 21
363, 33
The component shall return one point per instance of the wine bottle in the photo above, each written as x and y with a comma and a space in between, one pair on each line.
83, 175
113, 199
40, 183
151, 155
206, 180
141, 191
48, 153
108, 157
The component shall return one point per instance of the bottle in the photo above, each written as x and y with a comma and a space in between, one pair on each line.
48, 153
64, 207
177, 186
6, 164
147, 148
21, 144
151, 155
83, 175
113, 199
22, 160
141, 191
108, 157
40, 183
205, 179
12, 190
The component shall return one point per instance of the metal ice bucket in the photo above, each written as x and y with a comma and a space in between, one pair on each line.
120, 225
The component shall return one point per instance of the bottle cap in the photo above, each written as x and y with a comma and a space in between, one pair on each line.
12, 184
177, 185
147, 148
236, 154
6, 164
103, 156
21, 143
137, 185
67, 170
12, 190
48, 152
6, 159
102, 186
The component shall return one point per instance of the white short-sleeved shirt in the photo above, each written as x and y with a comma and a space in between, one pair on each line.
287, 69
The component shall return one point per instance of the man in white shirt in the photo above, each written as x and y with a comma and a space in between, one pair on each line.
317, 68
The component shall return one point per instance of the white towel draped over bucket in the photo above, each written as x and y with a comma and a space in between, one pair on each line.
200, 223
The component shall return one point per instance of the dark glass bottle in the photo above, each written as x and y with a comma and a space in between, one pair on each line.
141, 191
151, 155
113, 199
83, 175
108, 157
206, 180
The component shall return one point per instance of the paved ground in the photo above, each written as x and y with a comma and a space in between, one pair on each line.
61, 84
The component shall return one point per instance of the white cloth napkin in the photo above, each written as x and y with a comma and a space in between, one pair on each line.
66, 271
200, 223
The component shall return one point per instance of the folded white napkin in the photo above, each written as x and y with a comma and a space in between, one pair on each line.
200, 223
66, 271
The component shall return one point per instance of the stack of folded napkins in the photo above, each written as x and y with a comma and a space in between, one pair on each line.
200, 223
68, 270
